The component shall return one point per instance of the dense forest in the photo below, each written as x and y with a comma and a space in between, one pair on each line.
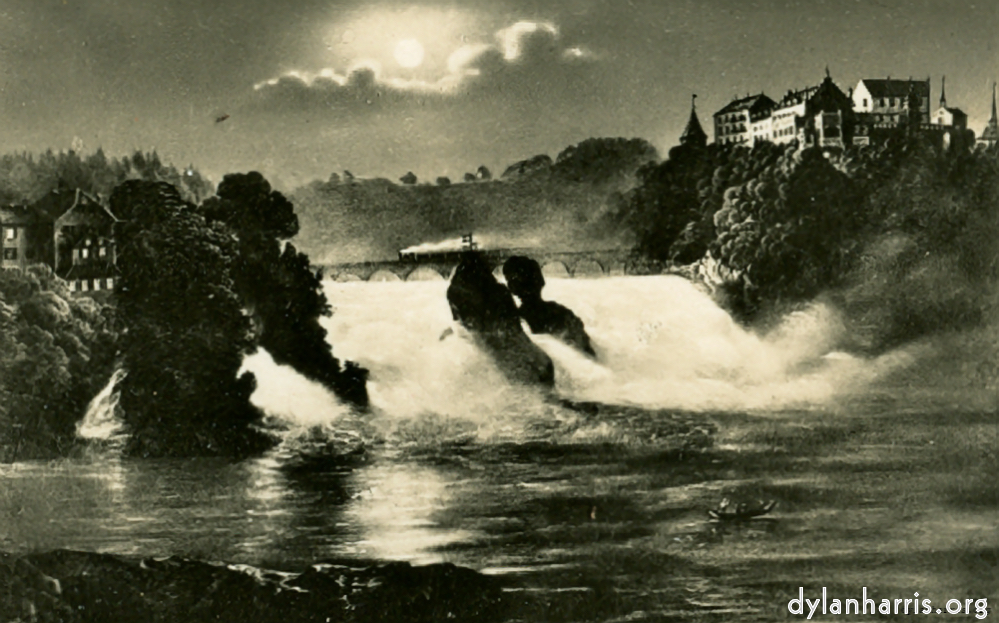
903, 237
25, 178
56, 353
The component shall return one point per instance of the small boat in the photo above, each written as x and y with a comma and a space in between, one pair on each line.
726, 511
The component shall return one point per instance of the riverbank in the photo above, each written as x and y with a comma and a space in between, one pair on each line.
70, 587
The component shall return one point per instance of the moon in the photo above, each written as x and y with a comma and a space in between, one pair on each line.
409, 53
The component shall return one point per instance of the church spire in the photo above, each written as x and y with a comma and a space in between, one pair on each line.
943, 92
693, 134
990, 135
993, 121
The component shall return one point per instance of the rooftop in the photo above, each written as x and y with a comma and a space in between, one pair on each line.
886, 87
746, 103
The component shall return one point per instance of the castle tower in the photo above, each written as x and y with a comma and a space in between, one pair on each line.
693, 134
990, 135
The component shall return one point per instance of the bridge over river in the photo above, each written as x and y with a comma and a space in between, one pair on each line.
554, 264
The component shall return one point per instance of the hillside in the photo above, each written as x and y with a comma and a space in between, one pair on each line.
536, 202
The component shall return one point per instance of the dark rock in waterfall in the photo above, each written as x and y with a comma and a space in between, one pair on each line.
524, 278
77, 587
485, 307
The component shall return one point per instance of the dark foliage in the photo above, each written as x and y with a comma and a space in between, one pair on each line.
903, 234
790, 231
25, 178
56, 353
601, 160
83, 587
186, 332
277, 283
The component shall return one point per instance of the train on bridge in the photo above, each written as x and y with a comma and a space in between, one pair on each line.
440, 252
438, 260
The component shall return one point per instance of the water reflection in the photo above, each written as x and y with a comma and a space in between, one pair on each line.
271, 509
399, 508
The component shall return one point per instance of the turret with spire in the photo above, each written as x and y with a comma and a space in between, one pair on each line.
943, 92
990, 135
693, 134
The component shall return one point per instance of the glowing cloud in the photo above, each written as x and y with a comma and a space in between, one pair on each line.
524, 43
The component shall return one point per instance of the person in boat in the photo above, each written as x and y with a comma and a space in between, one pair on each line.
524, 278
485, 308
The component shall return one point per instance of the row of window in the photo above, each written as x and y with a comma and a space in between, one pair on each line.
85, 285
732, 129
891, 102
85, 253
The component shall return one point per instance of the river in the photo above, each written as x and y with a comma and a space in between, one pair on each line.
882, 478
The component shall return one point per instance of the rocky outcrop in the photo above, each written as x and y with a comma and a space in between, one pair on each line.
524, 278
485, 307
79, 587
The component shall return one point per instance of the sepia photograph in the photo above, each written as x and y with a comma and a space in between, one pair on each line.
499, 311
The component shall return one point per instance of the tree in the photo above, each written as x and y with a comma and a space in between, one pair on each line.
409, 178
277, 282
186, 334
56, 353
483, 173
790, 231
601, 160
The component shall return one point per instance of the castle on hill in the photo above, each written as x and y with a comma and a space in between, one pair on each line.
824, 116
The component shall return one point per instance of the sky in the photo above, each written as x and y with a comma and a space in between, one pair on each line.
311, 87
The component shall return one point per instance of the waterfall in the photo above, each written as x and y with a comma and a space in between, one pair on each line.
101, 420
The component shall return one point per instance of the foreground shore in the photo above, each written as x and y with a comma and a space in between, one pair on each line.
71, 586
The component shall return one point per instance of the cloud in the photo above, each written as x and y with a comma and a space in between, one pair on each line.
522, 38
523, 46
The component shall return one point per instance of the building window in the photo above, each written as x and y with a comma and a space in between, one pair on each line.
865, 102
84, 285
10, 253
103, 251
85, 253
97, 284
10, 233
881, 102
74, 286
110, 283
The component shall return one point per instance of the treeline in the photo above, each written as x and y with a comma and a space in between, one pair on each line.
25, 177
538, 201
903, 235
